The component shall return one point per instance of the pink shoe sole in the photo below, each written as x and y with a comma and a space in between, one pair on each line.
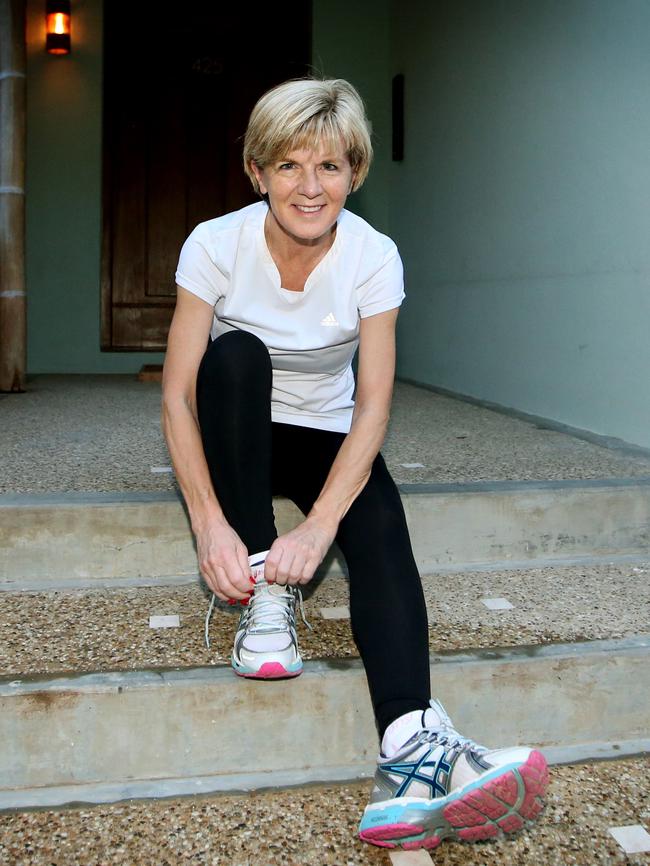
270, 671
502, 805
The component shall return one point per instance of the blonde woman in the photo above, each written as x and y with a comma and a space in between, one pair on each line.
287, 290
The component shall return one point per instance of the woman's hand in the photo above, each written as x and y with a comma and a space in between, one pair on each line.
295, 556
223, 560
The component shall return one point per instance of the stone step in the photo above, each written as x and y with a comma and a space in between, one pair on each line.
93, 711
107, 629
100, 737
85, 539
316, 826
103, 434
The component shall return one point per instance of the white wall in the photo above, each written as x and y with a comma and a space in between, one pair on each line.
522, 208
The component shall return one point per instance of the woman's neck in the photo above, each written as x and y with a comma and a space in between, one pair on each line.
285, 247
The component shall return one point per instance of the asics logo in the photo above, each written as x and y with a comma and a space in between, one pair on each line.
429, 772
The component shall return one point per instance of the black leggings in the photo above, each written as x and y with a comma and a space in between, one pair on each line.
252, 458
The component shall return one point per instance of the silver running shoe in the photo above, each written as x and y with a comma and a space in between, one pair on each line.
440, 785
266, 644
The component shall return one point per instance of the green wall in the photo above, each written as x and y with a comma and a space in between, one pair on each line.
521, 208
352, 41
63, 201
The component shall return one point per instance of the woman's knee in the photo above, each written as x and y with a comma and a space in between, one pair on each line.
236, 357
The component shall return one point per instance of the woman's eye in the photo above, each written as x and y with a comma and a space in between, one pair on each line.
286, 165
330, 166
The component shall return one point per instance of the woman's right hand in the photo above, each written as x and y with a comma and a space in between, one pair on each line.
223, 560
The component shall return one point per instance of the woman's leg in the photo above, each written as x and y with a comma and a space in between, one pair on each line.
389, 616
234, 408
388, 613
233, 394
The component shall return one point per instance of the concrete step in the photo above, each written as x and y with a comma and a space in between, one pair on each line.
84, 539
316, 826
107, 735
103, 434
94, 710
108, 629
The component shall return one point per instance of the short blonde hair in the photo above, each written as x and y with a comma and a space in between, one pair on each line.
305, 113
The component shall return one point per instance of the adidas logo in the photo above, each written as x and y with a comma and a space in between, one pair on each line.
329, 320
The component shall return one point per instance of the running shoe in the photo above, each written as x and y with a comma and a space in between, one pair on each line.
266, 644
440, 785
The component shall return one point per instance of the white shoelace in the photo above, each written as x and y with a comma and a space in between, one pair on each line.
266, 613
446, 735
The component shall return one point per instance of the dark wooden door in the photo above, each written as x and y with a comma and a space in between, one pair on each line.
179, 83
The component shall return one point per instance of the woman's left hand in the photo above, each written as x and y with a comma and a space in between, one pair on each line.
295, 556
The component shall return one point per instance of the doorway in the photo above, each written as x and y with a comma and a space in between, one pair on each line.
180, 81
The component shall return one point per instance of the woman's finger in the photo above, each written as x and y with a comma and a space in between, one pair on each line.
226, 587
309, 570
284, 567
237, 576
297, 568
242, 559
213, 585
271, 564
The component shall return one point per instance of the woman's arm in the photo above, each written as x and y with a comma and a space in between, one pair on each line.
223, 558
294, 557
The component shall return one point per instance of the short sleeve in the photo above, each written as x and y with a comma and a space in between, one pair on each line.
196, 270
384, 290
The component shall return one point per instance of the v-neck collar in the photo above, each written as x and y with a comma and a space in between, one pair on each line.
272, 268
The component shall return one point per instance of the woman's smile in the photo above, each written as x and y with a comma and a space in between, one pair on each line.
306, 191
307, 209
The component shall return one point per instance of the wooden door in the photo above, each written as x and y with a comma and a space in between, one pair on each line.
179, 83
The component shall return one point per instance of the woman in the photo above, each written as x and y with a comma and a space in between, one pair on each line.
288, 288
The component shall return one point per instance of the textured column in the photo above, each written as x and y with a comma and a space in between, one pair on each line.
12, 196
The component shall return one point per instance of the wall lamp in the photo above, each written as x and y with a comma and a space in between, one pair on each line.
57, 18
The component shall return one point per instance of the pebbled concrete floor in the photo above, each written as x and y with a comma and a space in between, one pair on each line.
90, 630
82, 433
316, 826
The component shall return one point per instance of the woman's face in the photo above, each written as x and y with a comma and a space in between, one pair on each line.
306, 190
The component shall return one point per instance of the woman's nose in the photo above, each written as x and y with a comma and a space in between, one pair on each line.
310, 184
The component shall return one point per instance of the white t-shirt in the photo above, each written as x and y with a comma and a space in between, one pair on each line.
311, 335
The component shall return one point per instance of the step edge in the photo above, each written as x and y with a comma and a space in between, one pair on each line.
242, 783
108, 498
115, 681
37, 585
111, 792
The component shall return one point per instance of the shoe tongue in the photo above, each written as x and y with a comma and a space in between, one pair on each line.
276, 589
399, 732
433, 719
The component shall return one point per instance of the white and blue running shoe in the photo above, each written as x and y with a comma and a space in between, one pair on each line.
439, 784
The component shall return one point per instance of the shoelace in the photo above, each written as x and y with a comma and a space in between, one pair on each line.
265, 613
446, 735
452, 739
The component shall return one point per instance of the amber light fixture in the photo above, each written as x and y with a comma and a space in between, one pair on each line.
57, 14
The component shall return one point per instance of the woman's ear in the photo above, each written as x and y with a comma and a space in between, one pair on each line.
259, 175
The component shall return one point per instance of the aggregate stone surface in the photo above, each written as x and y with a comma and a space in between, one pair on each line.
316, 826
108, 629
102, 433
